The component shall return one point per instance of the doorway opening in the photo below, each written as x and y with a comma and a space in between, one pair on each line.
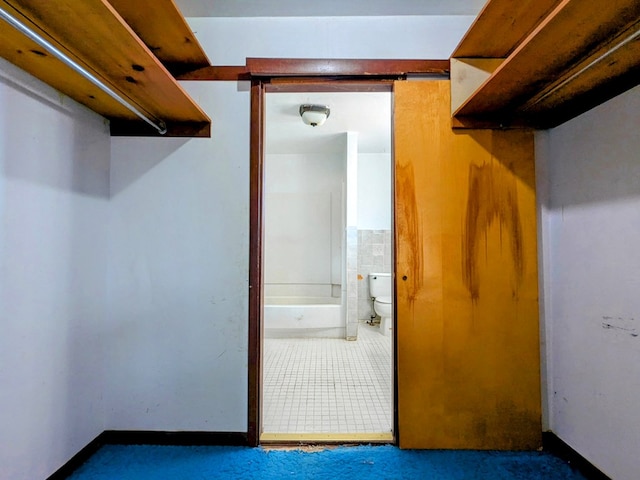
327, 355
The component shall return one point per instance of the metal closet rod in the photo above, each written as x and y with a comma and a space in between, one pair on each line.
158, 124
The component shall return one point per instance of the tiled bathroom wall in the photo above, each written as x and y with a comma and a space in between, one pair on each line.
374, 256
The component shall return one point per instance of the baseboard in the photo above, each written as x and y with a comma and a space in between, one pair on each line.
142, 437
78, 459
553, 444
137, 437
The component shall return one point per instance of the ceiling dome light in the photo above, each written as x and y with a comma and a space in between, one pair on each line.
314, 115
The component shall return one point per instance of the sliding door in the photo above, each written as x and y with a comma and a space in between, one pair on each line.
466, 284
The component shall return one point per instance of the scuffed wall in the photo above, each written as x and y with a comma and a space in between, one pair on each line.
590, 226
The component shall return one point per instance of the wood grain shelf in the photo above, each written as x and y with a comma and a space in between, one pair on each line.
578, 55
501, 26
94, 35
161, 26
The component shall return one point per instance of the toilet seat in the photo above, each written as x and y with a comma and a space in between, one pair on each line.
383, 300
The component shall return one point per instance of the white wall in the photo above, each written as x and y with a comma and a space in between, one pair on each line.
374, 191
54, 187
591, 223
303, 223
178, 275
229, 41
180, 225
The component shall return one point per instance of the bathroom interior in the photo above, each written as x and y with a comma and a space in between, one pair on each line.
327, 315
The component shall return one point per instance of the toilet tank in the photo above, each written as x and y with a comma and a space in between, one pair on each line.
380, 284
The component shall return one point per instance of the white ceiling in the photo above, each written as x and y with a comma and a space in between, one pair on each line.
326, 8
369, 114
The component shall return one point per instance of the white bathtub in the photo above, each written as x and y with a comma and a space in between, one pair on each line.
287, 317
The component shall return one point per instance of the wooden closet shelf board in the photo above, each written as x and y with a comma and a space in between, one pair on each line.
572, 33
26, 54
611, 70
613, 59
217, 73
501, 26
559, 108
583, 88
161, 26
94, 35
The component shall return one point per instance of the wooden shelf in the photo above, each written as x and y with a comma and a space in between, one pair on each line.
578, 55
161, 26
501, 26
94, 35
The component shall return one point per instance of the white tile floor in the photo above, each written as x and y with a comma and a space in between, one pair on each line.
314, 385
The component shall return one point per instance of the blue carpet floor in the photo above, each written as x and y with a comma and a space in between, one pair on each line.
128, 462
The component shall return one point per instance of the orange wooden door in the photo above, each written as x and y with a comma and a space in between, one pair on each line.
466, 279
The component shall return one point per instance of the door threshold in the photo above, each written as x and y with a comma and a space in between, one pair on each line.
284, 438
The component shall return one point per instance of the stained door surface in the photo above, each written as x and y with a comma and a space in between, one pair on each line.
466, 279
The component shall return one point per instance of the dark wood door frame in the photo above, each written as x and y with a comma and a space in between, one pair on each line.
256, 238
291, 75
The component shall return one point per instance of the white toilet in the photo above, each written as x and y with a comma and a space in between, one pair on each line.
380, 291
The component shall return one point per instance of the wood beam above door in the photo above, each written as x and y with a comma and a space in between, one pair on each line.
314, 67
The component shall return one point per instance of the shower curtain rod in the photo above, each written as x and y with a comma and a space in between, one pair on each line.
158, 124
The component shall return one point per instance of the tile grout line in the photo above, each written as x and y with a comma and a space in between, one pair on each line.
338, 399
